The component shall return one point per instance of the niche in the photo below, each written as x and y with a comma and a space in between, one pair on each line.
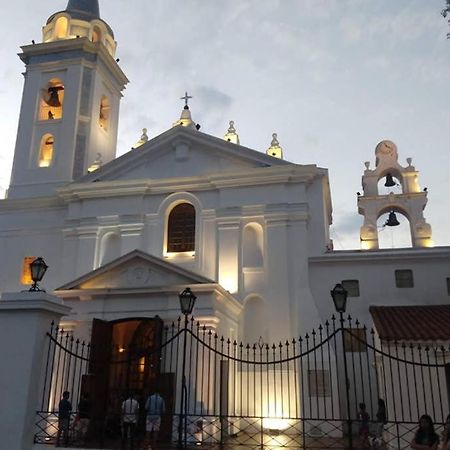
252, 246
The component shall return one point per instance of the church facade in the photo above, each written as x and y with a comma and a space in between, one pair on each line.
247, 231
253, 227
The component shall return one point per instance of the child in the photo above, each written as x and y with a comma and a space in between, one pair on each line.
425, 438
363, 418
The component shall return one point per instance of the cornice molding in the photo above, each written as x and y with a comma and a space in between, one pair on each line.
125, 188
81, 44
365, 256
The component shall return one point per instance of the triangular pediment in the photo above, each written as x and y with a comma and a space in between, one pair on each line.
182, 152
135, 270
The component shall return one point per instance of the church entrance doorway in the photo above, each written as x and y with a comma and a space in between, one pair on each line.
124, 360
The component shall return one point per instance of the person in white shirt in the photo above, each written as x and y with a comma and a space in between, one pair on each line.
130, 412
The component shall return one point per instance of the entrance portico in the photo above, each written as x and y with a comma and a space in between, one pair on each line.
139, 285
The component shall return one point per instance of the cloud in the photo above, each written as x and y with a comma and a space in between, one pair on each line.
212, 107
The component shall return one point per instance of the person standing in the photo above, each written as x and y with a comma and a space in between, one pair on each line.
363, 418
130, 411
425, 437
64, 410
381, 421
446, 435
82, 424
154, 407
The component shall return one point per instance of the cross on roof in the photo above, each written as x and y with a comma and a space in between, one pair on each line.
186, 99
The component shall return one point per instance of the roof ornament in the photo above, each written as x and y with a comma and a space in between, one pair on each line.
275, 149
231, 135
185, 119
186, 99
96, 164
143, 139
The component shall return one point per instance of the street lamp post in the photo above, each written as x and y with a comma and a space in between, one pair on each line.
339, 295
187, 302
37, 269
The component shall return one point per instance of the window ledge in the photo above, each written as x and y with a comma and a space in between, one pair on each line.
179, 255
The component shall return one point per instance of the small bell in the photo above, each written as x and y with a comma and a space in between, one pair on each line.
389, 181
54, 98
392, 220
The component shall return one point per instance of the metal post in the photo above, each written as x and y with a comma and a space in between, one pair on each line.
183, 392
347, 386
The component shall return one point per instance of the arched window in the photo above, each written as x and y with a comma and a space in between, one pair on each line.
105, 107
61, 26
181, 229
52, 99
46, 151
96, 34
252, 246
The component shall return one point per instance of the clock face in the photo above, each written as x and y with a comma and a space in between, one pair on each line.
386, 148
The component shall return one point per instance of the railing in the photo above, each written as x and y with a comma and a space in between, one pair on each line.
301, 393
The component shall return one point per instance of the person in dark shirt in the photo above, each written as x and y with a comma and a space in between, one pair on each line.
64, 410
381, 419
363, 418
446, 435
82, 420
425, 438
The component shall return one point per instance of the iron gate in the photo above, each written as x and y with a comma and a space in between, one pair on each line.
301, 393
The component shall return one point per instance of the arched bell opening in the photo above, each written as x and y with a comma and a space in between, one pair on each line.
97, 35
104, 112
394, 229
390, 181
61, 27
46, 151
52, 100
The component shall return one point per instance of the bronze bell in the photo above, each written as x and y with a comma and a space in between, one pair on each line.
389, 181
392, 220
54, 98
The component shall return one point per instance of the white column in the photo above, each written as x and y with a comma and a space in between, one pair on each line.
25, 317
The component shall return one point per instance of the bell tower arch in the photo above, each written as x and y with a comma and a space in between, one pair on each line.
73, 86
410, 202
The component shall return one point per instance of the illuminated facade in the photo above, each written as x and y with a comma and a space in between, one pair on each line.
246, 230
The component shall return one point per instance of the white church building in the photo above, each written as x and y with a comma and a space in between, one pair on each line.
246, 230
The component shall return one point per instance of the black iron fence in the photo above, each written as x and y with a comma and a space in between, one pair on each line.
300, 393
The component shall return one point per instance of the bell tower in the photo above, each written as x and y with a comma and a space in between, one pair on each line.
70, 105
410, 202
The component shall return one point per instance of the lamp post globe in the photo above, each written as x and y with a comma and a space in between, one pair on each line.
339, 295
37, 268
187, 301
